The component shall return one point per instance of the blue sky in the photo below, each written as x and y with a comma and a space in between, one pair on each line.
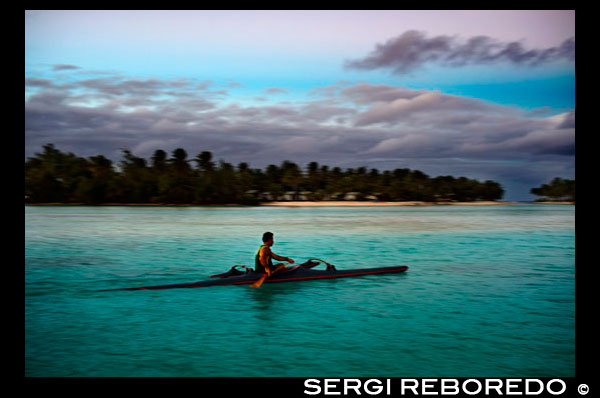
474, 93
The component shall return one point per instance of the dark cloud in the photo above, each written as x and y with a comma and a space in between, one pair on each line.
412, 49
60, 67
37, 82
116, 85
569, 121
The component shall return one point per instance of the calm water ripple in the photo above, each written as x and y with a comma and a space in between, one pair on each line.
490, 292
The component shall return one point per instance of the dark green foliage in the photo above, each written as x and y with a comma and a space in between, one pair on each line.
56, 177
558, 189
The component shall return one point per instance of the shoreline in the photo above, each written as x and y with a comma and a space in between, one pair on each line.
360, 204
305, 204
549, 202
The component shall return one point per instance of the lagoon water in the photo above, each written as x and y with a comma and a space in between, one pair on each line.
490, 291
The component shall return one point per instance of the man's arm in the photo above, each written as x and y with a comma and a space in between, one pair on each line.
266, 251
279, 258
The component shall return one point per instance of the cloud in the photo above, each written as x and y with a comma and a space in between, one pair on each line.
37, 82
275, 90
413, 49
300, 144
433, 103
396, 109
59, 67
564, 120
119, 86
365, 93
354, 120
408, 142
530, 145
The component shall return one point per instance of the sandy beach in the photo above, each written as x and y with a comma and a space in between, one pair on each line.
324, 203
369, 203
555, 203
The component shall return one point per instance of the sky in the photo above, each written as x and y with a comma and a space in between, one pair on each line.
481, 94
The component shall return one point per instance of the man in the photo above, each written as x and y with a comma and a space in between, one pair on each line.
263, 260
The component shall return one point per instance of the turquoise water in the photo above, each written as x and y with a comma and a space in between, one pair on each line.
490, 291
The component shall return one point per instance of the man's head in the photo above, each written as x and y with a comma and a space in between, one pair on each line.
267, 238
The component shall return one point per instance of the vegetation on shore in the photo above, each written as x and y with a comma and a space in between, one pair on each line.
56, 177
557, 190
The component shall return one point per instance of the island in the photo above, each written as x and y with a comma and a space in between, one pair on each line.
56, 177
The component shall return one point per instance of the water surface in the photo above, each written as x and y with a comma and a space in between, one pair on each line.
490, 291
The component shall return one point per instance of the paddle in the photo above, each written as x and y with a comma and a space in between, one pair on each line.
278, 267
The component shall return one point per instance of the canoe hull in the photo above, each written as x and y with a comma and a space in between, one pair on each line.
298, 274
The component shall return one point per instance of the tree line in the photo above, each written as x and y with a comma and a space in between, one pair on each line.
57, 177
557, 189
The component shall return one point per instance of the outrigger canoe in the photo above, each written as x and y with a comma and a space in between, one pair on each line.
241, 275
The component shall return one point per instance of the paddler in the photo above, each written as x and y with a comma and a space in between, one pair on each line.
263, 262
